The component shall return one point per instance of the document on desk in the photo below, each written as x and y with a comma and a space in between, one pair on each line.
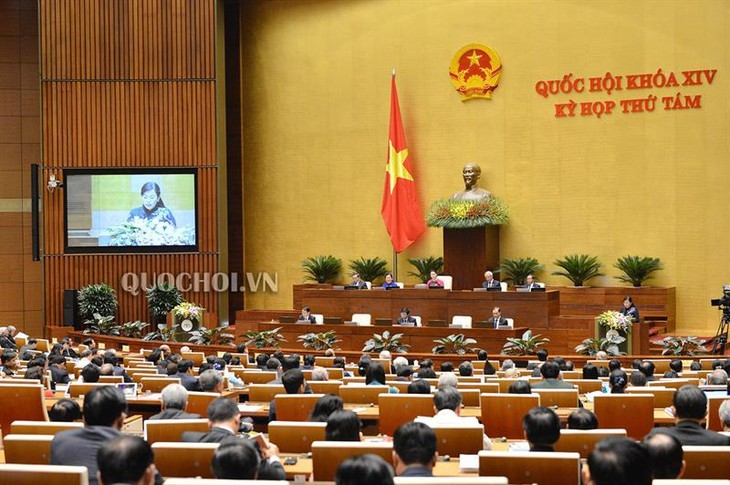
468, 463
248, 408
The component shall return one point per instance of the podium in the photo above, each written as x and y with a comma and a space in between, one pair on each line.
468, 253
637, 340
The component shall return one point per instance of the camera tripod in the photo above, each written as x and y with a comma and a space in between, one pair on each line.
720, 339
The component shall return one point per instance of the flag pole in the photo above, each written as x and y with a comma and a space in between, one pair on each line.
395, 253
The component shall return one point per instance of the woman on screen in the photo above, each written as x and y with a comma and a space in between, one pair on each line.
152, 205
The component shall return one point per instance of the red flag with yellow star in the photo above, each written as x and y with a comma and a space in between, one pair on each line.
401, 210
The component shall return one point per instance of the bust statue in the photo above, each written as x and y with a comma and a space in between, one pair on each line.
471, 174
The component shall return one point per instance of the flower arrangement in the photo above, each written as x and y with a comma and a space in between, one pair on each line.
465, 214
150, 232
188, 310
615, 321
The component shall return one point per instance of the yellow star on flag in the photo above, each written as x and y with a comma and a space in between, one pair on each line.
395, 166
474, 58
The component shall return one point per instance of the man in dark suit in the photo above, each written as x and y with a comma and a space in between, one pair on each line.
690, 409
530, 283
174, 401
185, 374
414, 450
358, 283
306, 316
225, 420
489, 281
110, 357
406, 318
294, 383
497, 320
59, 375
7, 341
550, 372
104, 411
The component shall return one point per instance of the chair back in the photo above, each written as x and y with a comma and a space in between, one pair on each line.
571, 374
318, 318
361, 394
325, 387
457, 439
502, 413
510, 321
362, 318
76, 389
545, 468
335, 373
492, 387
198, 402
323, 361
28, 449
264, 392
255, 377
562, 398
295, 436
327, 455
632, 412
662, 395
586, 385
448, 281
673, 383
171, 430
583, 441
706, 462
43, 345
196, 357
42, 427
504, 384
184, 459
713, 409
111, 379
295, 407
157, 384
21, 402
45, 474
660, 365
396, 409
464, 321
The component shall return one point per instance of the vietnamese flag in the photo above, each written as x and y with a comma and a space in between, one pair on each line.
401, 210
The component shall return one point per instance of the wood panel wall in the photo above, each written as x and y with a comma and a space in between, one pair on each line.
127, 83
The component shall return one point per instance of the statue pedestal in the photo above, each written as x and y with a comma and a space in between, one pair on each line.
468, 253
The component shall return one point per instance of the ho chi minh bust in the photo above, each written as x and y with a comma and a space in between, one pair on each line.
471, 174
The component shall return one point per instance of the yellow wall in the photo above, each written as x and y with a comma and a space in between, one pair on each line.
316, 96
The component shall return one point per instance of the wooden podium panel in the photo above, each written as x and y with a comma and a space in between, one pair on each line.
468, 253
527, 309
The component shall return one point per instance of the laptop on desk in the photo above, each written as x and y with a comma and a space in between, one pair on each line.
383, 322
351, 323
481, 288
351, 287
539, 289
492, 288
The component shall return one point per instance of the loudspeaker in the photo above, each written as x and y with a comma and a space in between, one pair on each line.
70, 310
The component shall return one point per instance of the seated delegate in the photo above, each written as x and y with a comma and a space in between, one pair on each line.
406, 318
389, 283
306, 316
435, 281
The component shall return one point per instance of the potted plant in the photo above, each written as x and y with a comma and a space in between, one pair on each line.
637, 269
188, 317
516, 270
103, 325
454, 344
163, 332
322, 269
265, 339
386, 341
609, 344
424, 266
370, 269
675, 345
161, 299
526, 345
93, 299
578, 268
212, 336
465, 214
319, 341
132, 329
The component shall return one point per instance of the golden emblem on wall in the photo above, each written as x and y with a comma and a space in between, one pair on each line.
475, 71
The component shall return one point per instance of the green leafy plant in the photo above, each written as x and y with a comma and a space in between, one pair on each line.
132, 329
322, 269
579, 268
103, 325
370, 269
527, 345
464, 214
675, 345
265, 339
454, 344
386, 341
319, 341
212, 336
101, 299
591, 346
637, 269
516, 270
161, 299
163, 333
424, 266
